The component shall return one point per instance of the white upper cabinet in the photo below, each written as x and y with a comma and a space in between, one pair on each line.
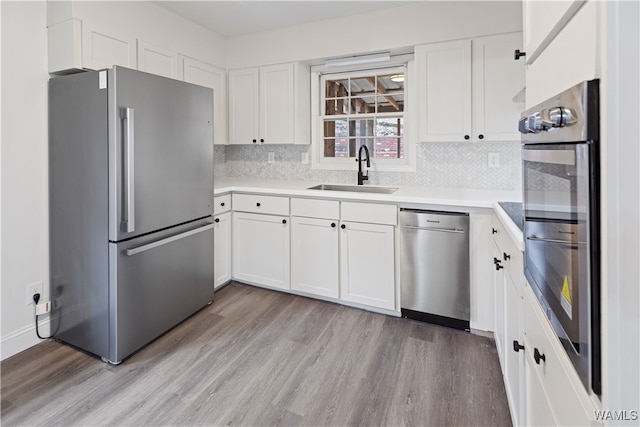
194, 71
543, 20
76, 45
244, 110
497, 77
157, 60
444, 88
269, 105
466, 89
277, 103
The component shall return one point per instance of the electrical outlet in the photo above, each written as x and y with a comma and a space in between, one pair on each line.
32, 289
493, 160
271, 157
304, 158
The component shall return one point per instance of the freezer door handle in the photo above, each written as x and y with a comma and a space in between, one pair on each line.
143, 248
129, 184
445, 230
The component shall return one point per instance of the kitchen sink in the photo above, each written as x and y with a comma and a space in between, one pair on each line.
353, 188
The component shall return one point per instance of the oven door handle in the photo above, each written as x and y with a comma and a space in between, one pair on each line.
567, 242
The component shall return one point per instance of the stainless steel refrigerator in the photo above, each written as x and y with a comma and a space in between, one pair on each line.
131, 187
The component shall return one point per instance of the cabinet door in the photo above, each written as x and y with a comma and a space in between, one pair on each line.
104, 49
222, 249
261, 249
537, 411
513, 360
244, 109
498, 281
314, 256
444, 91
157, 60
497, 77
367, 264
276, 104
203, 74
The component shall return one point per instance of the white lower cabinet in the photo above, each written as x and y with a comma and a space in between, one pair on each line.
542, 386
367, 273
513, 348
499, 326
344, 250
261, 249
222, 249
314, 256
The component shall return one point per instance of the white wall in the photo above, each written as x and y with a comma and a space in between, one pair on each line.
24, 217
424, 22
620, 109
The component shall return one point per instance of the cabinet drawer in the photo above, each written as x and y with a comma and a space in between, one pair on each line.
561, 384
369, 212
221, 204
255, 203
327, 209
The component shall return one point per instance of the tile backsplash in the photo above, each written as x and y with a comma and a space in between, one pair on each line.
448, 165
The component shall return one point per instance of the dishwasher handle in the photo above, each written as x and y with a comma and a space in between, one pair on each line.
441, 229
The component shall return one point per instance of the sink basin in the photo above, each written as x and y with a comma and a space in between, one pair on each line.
353, 188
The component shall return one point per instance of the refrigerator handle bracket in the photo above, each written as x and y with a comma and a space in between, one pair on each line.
137, 250
129, 184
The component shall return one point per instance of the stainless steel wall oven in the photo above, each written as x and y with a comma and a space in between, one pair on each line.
560, 153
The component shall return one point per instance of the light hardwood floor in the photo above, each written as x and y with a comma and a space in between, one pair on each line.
259, 357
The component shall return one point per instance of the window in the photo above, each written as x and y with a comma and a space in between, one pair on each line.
361, 108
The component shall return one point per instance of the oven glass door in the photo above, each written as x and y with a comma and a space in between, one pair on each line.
557, 241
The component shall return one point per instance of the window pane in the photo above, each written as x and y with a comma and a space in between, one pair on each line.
389, 148
361, 127
336, 106
362, 141
391, 82
364, 105
363, 86
389, 126
336, 88
336, 147
336, 128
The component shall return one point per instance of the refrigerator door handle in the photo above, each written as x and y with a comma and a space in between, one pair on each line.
137, 250
129, 185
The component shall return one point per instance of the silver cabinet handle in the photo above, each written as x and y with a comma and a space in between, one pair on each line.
445, 230
137, 250
129, 184
567, 242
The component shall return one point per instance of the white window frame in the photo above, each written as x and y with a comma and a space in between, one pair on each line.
406, 164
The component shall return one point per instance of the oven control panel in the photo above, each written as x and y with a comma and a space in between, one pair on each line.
544, 120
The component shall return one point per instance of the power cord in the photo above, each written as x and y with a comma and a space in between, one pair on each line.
36, 299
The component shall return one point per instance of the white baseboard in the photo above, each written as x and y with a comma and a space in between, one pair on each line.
22, 339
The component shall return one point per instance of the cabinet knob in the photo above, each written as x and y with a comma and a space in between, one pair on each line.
538, 356
222, 204
467, 137
255, 140
517, 346
481, 136
494, 231
262, 140
333, 225
517, 54
343, 226
258, 204
216, 220
284, 221
505, 256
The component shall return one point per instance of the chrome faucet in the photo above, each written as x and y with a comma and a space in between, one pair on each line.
361, 176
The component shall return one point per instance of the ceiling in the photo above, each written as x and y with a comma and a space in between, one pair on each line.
236, 18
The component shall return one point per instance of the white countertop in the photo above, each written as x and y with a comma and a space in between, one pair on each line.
404, 194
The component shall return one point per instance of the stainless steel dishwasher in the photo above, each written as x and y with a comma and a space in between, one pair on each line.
435, 267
